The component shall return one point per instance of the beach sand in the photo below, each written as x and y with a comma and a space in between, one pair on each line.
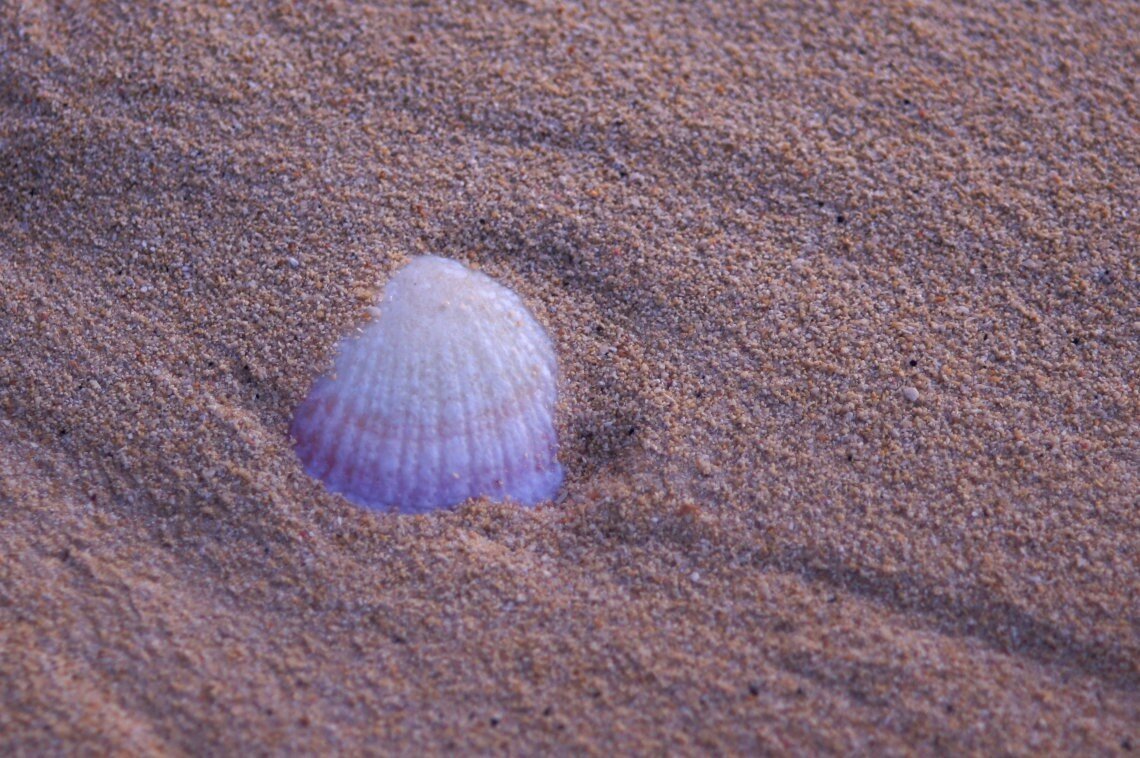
847, 311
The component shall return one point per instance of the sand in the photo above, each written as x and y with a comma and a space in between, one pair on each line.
847, 310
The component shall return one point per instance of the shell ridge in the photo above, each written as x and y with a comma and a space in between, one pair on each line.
372, 443
329, 441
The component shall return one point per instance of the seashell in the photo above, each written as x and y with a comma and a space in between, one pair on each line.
448, 393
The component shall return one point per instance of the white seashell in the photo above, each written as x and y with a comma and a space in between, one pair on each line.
448, 393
